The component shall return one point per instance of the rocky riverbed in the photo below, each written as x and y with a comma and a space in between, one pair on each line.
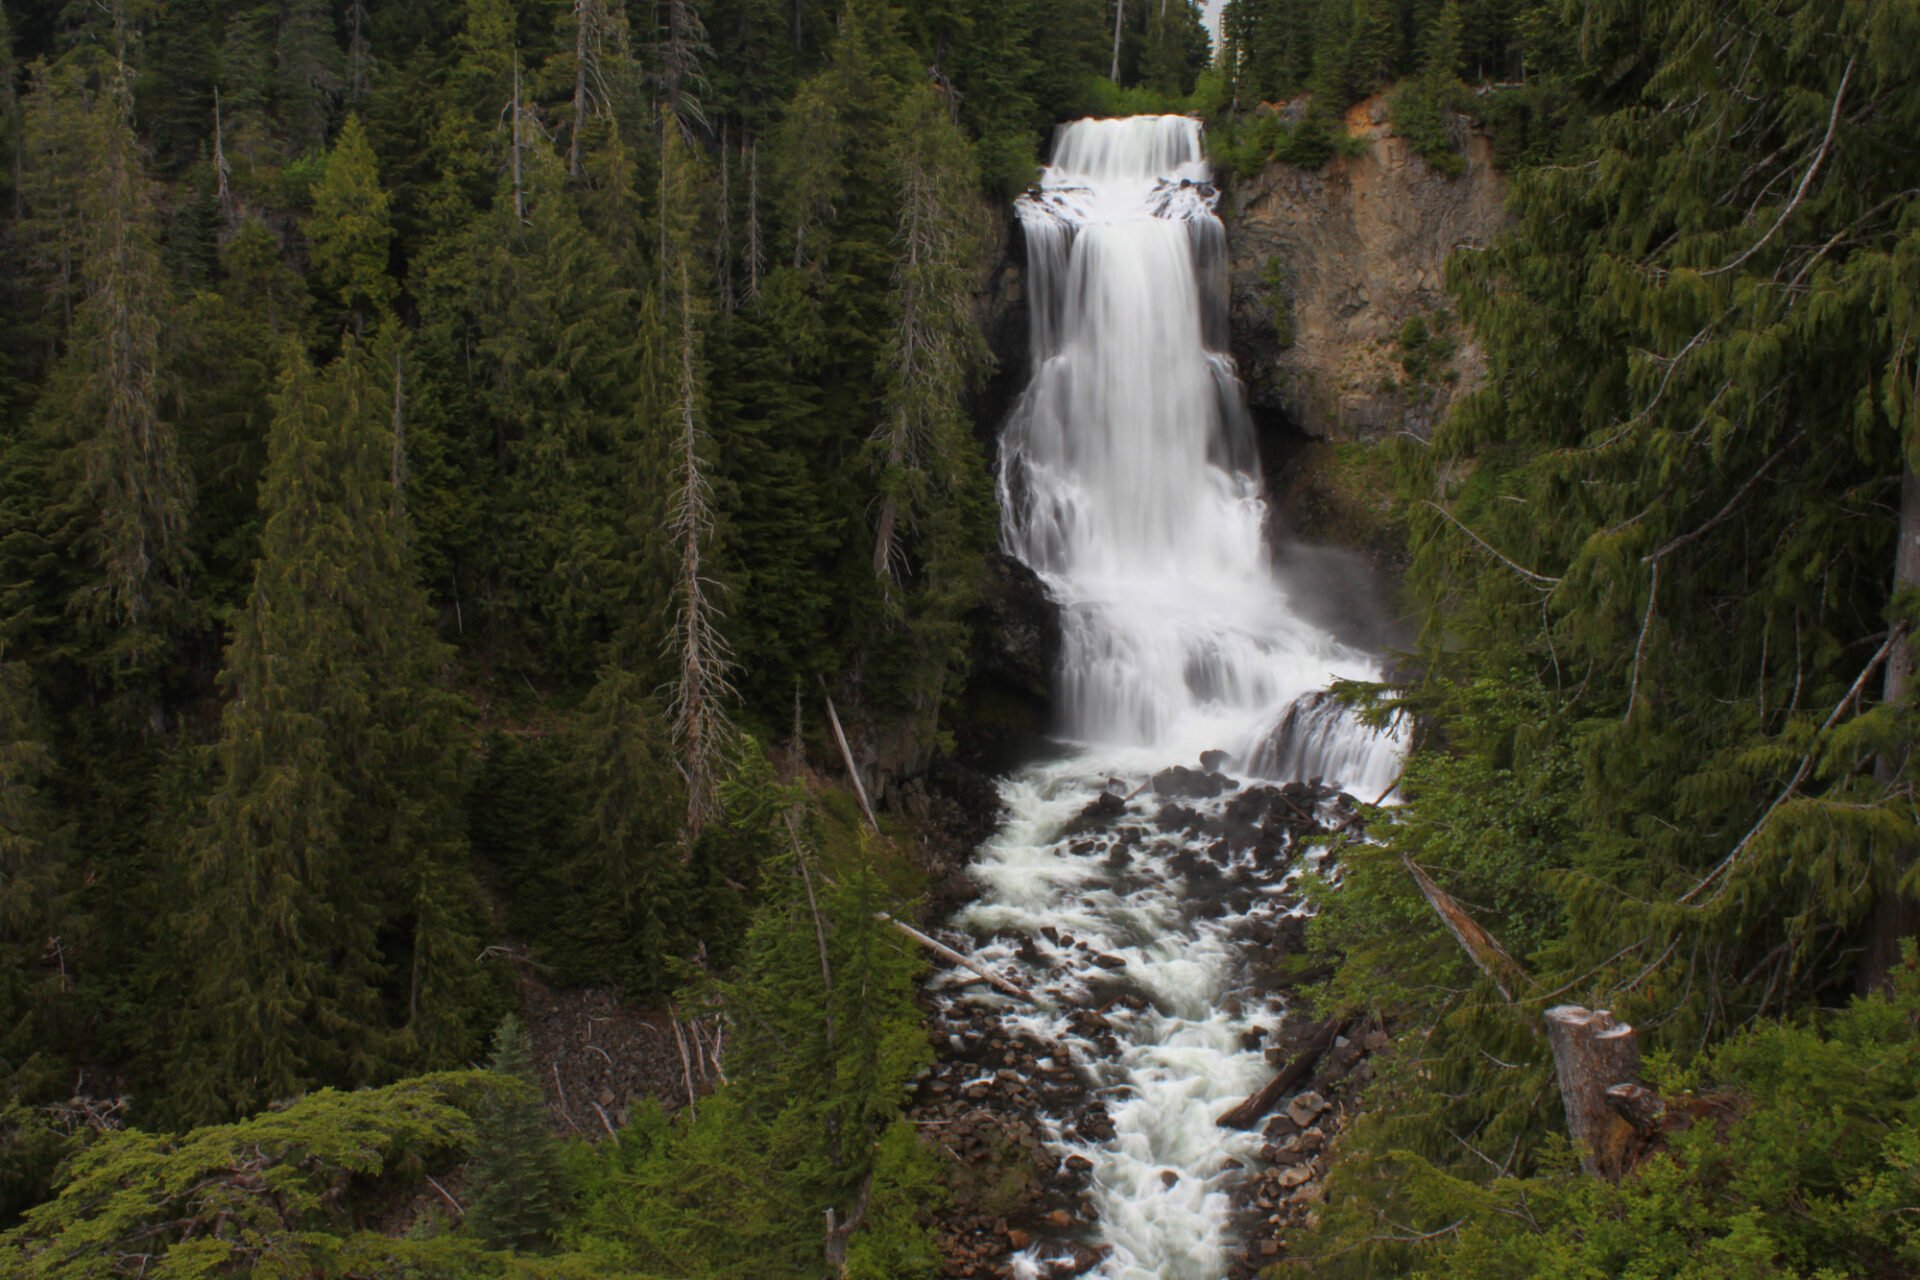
1021, 1103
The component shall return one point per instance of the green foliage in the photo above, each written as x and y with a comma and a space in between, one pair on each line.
1662, 761
1279, 305
824, 1037
349, 229
1797, 1151
516, 1189
246, 560
263, 1195
329, 863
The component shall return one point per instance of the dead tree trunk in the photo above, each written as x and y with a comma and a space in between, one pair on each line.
1255, 1108
951, 956
1592, 1053
1481, 947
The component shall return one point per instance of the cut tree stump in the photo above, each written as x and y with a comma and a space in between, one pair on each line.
1592, 1056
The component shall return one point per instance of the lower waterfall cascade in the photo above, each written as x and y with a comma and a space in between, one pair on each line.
1129, 483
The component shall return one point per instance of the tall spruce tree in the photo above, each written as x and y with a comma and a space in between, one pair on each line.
326, 880
518, 1185
935, 347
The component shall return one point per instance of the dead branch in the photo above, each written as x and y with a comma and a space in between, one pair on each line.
1806, 181
1806, 767
846, 754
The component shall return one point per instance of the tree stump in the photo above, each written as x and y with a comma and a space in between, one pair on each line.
1592, 1053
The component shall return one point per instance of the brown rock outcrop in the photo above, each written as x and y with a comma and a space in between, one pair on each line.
1328, 266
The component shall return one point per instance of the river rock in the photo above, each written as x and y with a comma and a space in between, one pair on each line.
1184, 783
1306, 1107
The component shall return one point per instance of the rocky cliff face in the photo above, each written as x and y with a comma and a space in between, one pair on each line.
1341, 320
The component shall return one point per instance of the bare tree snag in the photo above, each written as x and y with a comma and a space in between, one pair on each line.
1254, 1109
1592, 1053
1481, 947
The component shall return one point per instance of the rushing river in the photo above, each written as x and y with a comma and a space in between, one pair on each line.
1129, 483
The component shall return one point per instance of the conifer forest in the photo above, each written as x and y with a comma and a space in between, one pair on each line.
891, 639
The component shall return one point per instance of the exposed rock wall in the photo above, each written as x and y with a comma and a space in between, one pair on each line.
1329, 266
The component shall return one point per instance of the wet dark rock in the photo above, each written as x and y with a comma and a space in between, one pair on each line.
1177, 817
1007, 705
1109, 962
1105, 807
1184, 783
1211, 761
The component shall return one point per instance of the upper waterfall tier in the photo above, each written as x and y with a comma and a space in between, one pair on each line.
1138, 148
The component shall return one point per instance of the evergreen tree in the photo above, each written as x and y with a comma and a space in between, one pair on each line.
1376, 45
349, 230
306, 70
935, 346
125, 498
325, 882
35, 896
518, 1186
1440, 51
631, 867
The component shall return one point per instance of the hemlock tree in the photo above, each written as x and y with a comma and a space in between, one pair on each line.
934, 347
325, 881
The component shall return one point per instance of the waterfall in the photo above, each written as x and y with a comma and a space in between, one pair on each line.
1129, 483
1128, 475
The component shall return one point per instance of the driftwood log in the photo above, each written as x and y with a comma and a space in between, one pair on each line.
1291, 1076
1597, 1061
951, 956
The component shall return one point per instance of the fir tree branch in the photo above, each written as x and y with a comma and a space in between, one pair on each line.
1806, 180
1799, 775
1539, 579
1740, 495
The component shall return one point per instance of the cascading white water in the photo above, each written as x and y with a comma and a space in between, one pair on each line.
1128, 478
1129, 483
